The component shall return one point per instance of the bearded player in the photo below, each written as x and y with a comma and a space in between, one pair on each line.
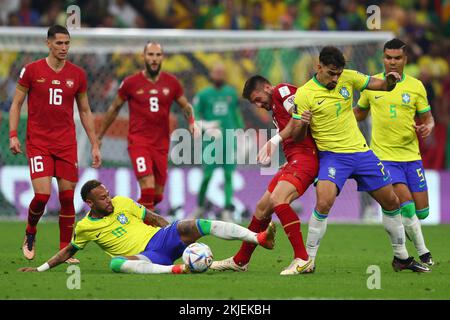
291, 181
52, 85
150, 93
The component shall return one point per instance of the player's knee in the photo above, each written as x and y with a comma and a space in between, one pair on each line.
116, 264
423, 213
392, 202
39, 201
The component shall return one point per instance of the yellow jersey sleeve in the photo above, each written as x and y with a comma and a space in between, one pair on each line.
301, 104
363, 101
359, 80
80, 238
422, 104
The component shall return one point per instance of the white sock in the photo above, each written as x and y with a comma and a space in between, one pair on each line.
316, 231
414, 231
232, 231
144, 267
394, 227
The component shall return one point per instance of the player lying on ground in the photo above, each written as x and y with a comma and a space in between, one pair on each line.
291, 181
394, 140
139, 240
343, 150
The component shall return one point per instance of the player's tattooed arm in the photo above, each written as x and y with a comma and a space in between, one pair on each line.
110, 115
64, 254
154, 219
387, 84
188, 112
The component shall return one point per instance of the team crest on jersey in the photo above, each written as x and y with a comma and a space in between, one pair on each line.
166, 91
332, 172
56, 82
153, 91
70, 83
406, 98
344, 92
122, 218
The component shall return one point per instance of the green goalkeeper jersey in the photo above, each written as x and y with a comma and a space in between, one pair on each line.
221, 105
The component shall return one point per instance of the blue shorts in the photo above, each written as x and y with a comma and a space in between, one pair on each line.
165, 246
364, 167
410, 173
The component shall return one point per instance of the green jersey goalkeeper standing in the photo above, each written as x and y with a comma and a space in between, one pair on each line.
217, 109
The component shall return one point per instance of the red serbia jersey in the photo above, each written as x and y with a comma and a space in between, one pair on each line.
149, 106
51, 97
283, 100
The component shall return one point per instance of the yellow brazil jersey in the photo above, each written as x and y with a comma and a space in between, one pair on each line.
333, 125
122, 233
393, 135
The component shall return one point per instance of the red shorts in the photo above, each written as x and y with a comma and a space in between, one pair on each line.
58, 162
300, 172
148, 161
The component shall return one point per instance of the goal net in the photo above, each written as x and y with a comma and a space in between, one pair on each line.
109, 55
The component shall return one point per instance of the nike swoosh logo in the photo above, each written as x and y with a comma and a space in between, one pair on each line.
376, 97
386, 178
306, 266
320, 102
422, 185
98, 235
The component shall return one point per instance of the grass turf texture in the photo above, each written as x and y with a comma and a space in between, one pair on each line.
344, 256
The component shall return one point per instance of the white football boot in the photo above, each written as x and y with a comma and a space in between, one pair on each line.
299, 266
228, 264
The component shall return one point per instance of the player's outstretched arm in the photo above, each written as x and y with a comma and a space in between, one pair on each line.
188, 113
14, 116
387, 84
110, 115
87, 120
154, 219
427, 124
56, 260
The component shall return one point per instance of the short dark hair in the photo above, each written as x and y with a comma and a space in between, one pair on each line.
53, 30
87, 188
395, 44
252, 84
330, 55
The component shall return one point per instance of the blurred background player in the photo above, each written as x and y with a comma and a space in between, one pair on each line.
217, 109
394, 139
139, 240
150, 94
343, 151
291, 181
52, 85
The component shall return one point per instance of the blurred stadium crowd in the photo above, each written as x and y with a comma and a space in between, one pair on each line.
423, 24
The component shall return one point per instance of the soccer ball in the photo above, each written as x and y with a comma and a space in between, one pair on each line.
198, 257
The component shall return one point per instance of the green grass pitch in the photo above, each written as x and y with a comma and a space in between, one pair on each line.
344, 256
